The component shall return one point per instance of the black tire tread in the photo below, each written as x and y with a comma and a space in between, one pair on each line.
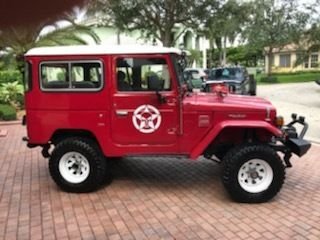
86, 147
233, 161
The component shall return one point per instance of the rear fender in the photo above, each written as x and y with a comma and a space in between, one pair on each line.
214, 132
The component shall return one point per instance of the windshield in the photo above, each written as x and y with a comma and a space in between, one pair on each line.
226, 74
179, 67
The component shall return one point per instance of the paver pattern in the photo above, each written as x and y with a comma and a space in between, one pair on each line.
153, 198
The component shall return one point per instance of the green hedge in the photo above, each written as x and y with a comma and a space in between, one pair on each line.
269, 79
10, 76
7, 112
296, 73
290, 78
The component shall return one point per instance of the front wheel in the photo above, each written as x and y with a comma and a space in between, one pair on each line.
253, 173
77, 165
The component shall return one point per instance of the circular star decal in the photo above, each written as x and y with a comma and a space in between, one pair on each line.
146, 119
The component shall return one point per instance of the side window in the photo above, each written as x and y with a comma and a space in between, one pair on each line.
54, 75
86, 75
71, 76
143, 74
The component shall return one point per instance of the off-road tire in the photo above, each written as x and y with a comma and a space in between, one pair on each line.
237, 157
90, 150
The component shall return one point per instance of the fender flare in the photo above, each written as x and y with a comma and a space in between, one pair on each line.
214, 132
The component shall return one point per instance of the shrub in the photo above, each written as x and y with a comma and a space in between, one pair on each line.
7, 76
7, 112
11, 93
20, 101
269, 79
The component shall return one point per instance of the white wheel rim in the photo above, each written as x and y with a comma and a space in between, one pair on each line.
74, 167
255, 175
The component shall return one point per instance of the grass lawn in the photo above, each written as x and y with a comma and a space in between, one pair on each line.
291, 78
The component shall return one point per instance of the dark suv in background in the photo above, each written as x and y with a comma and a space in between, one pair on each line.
236, 78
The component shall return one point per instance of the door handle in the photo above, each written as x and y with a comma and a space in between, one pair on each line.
171, 102
121, 113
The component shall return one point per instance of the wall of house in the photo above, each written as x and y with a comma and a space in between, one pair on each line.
312, 63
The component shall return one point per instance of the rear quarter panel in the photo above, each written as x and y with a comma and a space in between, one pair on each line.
48, 111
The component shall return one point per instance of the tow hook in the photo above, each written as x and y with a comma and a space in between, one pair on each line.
286, 159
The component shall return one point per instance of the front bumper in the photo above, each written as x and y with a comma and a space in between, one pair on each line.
298, 146
292, 142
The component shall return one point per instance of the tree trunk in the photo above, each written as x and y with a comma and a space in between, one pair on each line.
224, 52
269, 68
20, 63
219, 47
118, 37
210, 53
166, 38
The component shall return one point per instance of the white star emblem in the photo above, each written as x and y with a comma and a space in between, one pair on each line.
146, 119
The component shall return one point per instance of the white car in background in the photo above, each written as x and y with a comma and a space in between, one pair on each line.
200, 71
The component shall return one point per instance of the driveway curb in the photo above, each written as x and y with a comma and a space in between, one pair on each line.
17, 122
313, 140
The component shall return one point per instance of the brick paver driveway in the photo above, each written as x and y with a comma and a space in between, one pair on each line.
150, 199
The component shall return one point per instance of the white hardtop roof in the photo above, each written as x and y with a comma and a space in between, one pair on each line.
100, 50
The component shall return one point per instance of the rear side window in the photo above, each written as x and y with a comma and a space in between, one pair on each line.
71, 76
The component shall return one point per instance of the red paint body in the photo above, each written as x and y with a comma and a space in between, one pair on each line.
190, 122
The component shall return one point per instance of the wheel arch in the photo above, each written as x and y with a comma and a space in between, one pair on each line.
61, 134
225, 127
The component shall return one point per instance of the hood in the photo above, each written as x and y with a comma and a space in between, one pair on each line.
231, 102
228, 81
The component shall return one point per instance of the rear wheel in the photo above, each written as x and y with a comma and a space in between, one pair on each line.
253, 173
77, 165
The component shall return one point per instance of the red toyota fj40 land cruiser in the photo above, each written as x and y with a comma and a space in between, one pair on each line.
91, 103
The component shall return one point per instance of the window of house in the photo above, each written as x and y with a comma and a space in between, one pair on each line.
285, 60
314, 60
143, 74
71, 76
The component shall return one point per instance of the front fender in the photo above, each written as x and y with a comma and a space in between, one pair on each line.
214, 132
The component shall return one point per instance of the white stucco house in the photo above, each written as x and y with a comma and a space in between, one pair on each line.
188, 39
285, 59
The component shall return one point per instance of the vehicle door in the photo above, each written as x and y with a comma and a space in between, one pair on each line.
145, 102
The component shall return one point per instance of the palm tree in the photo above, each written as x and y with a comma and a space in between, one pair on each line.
17, 41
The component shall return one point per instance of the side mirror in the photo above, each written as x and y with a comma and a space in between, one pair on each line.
162, 99
183, 60
184, 89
